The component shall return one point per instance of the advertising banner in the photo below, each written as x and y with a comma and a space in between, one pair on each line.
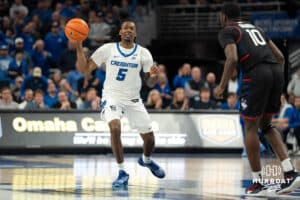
277, 25
59, 130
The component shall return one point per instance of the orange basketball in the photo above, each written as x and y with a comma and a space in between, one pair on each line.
76, 29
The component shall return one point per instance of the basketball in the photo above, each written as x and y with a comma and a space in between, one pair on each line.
76, 29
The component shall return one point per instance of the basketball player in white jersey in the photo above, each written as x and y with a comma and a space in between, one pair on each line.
124, 61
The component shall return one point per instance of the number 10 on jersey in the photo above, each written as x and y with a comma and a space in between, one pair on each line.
256, 37
121, 74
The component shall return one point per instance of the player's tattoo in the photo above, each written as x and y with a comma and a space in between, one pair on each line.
150, 81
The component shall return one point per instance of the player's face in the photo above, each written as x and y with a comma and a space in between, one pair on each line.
128, 31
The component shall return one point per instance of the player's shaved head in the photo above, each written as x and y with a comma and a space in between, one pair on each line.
231, 11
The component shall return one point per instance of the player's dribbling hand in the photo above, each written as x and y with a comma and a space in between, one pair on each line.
154, 71
218, 92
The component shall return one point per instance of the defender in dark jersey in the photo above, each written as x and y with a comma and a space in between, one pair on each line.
261, 63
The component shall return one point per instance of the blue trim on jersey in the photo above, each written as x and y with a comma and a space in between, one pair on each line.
126, 55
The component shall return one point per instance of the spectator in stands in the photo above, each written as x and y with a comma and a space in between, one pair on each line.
6, 101
139, 14
112, 22
127, 8
16, 90
41, 57
68, 58
279, 119
19, 46
233, 83
63, 102
84, 9
100, 75
284, 106
162, 68
38, 102
68, 10
92, 16
99, 31
92, 101
65, 86
73, 77
5, 59
211, 81
90, 81
154, 100
58, 7
81, 98
35, 81
294, 84
55, 43
291, 99
231, 103
180, 101
18, 66
18, 8
164, 89
28, 36
18, 82
193, 86
55, 17
9, 38
56, 78
184, 75
51, 97
5, 23
43, 11
202, 101
291, 120
35, 19
28, 97
16, 95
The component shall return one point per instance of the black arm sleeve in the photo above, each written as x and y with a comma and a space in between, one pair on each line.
228, 36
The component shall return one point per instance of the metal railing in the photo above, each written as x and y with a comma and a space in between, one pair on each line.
196, 21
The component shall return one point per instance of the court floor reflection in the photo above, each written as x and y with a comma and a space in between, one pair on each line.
89, 177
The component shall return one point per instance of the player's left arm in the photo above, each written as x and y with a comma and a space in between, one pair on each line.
151, 77
227, 39
150, 69
229, 67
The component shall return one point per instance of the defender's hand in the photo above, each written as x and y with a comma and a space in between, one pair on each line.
218, 92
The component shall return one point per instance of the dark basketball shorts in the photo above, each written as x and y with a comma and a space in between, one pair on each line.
261, 89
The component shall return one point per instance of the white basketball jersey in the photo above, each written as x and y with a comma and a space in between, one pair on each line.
123, 68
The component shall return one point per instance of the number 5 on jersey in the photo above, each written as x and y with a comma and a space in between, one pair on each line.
121, 74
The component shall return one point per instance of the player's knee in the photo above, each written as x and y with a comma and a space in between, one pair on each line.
115, 127
266, 128
250, 126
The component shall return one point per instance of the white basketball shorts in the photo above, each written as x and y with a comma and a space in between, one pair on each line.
134, 110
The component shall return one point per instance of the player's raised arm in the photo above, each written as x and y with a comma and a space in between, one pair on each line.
277, 53
84, 66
